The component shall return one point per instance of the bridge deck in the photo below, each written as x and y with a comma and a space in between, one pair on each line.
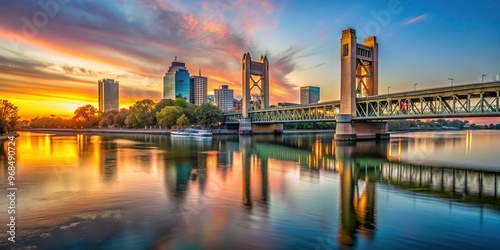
470, 100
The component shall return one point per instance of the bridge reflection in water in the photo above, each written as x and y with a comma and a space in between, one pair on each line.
361, 166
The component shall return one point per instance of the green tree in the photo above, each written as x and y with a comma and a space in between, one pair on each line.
179, 102
107, 118
86, 116
159, 106
4, 126
8, 112
168, 116
119, 119
208, 114
164, 103
140, 114
182, 121
190, 111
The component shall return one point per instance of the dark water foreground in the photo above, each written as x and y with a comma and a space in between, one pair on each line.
418, 191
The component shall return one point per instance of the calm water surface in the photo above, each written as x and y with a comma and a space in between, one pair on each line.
433, 190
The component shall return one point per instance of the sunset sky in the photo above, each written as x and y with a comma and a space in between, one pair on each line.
53, 52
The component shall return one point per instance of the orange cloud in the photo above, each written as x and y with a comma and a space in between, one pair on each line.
79, 46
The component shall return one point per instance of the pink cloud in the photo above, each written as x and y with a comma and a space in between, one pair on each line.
415, 19
322, 35
247, 15
137, 53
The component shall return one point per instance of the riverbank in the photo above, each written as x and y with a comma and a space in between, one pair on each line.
6, 137
99, 131
120, 131
157, 131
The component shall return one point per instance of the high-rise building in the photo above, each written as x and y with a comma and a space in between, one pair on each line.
107, 92
198, 89
176, 81
224, 98
309, 95
211, 99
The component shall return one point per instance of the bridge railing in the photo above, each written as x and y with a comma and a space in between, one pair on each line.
459, 101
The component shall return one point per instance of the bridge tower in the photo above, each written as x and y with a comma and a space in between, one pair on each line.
359, 78
251, 69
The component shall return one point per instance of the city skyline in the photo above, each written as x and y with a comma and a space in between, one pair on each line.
55, 51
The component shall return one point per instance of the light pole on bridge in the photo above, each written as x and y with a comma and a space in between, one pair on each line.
415, 86
451, 79
482, 77
388, 88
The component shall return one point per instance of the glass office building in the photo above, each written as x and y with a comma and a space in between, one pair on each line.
309, 95
176, 82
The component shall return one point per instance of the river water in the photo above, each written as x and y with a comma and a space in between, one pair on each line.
423, 190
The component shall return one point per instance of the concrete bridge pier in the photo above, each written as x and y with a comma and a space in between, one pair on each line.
371, 130
349, 130
245, 127
278, 130
344, 131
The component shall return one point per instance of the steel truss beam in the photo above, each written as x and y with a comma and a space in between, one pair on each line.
471, 100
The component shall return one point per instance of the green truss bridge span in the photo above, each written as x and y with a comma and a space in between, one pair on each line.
468, 100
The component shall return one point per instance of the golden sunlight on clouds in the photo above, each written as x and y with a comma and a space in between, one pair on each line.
56, 70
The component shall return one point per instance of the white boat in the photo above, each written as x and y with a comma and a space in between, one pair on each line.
200, 133
181, 133
191, 132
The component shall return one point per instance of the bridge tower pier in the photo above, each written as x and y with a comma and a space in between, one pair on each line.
260, 70
358, 77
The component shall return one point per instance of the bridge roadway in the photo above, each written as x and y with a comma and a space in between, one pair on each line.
468, 100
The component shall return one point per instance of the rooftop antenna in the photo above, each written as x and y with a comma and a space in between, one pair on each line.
175, 59
200, 71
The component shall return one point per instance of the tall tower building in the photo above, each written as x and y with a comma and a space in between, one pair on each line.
107, 91
198, 89
309, 95
224, 98
176, 81
358, 70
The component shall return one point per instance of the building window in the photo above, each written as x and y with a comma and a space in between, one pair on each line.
345, 50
